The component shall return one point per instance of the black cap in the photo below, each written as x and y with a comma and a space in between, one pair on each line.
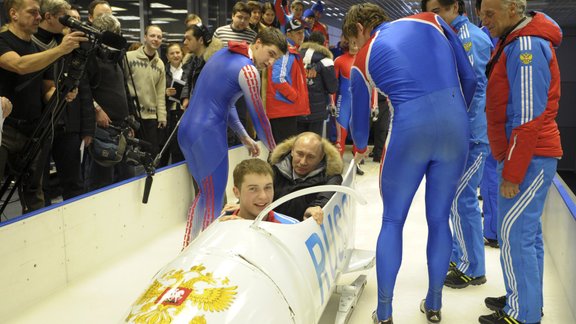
293, 25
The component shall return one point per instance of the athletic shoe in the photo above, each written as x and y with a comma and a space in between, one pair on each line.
499, 317
433, 316
452, 266
496, 304
491, 243
375, 319
359, 171
458, 279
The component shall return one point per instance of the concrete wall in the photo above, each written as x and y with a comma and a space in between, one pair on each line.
45, 252
567, 113
559, 228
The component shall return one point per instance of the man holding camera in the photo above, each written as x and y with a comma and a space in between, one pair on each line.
24, 81
77, 121
104, 83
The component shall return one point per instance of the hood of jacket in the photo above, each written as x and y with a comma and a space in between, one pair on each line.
320, 51
332, 161
541, 26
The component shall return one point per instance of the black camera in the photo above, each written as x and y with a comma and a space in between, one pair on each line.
107, 44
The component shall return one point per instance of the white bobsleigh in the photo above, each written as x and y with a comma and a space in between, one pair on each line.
246, 271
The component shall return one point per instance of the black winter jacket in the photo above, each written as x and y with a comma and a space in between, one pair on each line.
319, 58
329, 172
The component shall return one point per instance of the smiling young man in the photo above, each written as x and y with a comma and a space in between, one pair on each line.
254, 188
149, 85
202, 134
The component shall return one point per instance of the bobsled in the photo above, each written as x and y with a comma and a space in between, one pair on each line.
253, 271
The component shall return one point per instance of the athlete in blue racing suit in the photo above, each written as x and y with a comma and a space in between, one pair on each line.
226, 76
419, 63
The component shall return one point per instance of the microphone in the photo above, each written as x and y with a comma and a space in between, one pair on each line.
113, 40
76, 24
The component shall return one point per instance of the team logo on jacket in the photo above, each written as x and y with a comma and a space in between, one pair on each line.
526, 58
468, 46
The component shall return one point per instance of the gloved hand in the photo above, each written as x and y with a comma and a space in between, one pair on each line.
374, 114
334, 111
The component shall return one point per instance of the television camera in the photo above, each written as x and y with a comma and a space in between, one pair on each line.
74, 65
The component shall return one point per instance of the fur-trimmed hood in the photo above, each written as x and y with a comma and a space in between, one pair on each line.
317, 48
332, 160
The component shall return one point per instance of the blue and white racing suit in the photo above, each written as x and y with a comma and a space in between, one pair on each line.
228, 74
419, 63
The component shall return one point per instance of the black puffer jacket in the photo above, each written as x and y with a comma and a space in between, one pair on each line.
329, 172
319, 58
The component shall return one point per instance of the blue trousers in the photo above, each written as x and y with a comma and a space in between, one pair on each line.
468, 243
520, 238
428, 137
489, 192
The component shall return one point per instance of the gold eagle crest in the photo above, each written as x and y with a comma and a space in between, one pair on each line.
468, 46
526, 58
167, 297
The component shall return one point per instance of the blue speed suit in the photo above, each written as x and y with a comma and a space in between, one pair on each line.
227, 75
419, 63
468, 246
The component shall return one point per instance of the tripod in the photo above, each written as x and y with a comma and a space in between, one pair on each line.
76, 64
41, 134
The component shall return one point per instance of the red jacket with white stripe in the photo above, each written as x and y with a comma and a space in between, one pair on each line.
522, 97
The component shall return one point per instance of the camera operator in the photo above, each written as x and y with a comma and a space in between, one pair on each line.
28, 89
104, 82
77, 121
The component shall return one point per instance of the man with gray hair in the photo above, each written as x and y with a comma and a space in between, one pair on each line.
522, 103
104, 83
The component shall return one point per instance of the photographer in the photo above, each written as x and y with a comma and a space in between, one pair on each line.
104, 83
77, 122
28, 88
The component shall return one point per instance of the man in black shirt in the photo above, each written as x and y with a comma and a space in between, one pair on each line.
24, 81
77, 122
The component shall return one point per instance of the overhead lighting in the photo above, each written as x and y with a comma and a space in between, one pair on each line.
116, 9
166, 19
176, 11
158, 5
159, 22
128, 17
